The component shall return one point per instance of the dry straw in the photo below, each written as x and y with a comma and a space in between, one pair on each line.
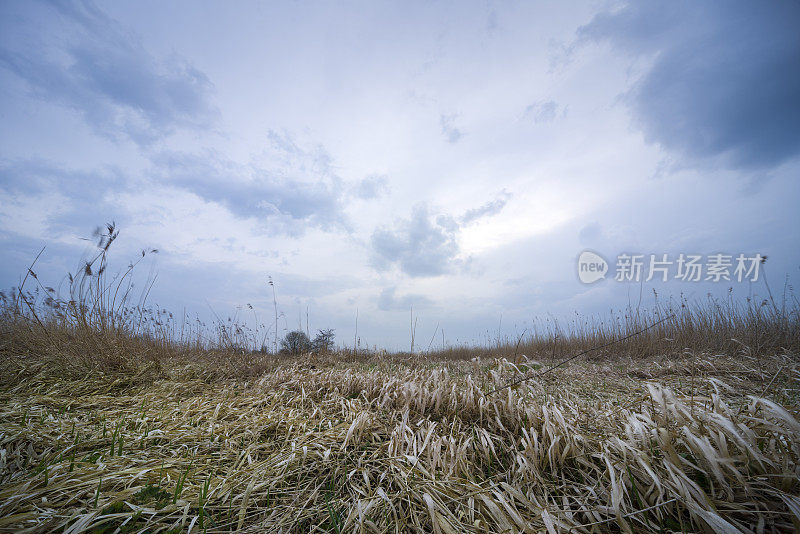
112, 422
394, 448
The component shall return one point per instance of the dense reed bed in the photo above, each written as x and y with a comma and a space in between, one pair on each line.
729, 326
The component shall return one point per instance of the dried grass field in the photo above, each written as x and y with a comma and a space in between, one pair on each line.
118, 418
701, 443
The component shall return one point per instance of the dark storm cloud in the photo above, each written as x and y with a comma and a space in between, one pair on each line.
89, 63
724, 79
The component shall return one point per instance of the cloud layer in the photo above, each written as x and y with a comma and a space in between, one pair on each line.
421, 245
375, 159
722, 79
289, 188
90, 64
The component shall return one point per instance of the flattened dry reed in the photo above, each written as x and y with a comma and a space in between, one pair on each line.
344, 447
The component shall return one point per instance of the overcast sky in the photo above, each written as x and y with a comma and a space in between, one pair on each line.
370, 156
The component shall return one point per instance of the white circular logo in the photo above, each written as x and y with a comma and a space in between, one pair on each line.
591, 267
